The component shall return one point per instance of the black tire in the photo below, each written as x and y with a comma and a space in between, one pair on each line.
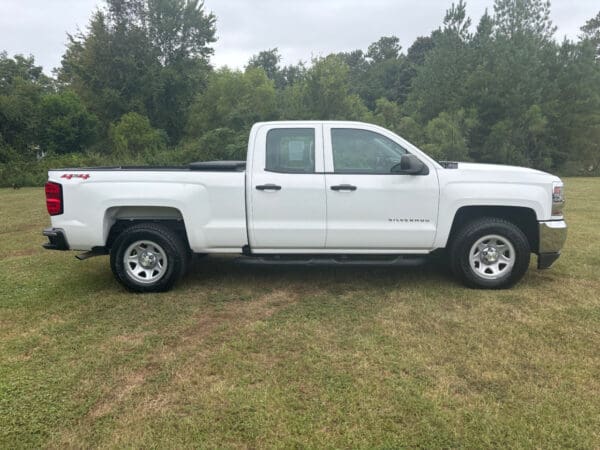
470, 234
173, 249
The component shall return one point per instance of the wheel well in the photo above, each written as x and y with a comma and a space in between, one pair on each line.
524, 218
119, 218
121, 225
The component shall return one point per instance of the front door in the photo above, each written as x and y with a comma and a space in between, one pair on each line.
286, 189
368, 206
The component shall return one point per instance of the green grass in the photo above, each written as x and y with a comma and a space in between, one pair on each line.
250, 357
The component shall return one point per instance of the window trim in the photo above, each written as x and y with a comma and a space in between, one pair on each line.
356, 172
291, 172
307, 128
344, 173
410, 148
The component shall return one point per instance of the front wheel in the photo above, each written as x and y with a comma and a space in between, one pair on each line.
490, 253
148, 257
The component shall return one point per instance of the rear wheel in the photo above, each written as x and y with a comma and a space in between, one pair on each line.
148, 257
490, 253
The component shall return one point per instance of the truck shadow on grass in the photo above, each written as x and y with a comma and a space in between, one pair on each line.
225, 270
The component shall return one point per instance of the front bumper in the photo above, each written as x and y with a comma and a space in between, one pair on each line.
553, 235
56, 239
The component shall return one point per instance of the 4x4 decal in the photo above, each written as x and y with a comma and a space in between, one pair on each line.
69, 176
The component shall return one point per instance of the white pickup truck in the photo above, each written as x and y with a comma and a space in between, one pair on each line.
311, 192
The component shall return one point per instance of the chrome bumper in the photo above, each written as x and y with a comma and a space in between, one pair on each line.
553, 235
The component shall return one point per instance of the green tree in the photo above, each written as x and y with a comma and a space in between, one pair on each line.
147, 56
418, 51
7, 153
22, 85
217, 144
65, 124
440, 83
387, 114
447, 135
325, 93
456, 21
233, 100
516, 18
20, 68
511, 84
382, 72
390, 115
387, 47
180, 30
269, 61
574, 110
133, 136
591, 32
222, 116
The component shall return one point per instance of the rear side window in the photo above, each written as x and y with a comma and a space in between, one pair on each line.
291, 150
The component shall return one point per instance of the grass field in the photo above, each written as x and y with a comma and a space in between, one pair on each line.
250, 357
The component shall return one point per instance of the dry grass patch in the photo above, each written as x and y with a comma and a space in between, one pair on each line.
112, 399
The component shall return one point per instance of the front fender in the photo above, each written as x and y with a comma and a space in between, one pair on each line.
457, 195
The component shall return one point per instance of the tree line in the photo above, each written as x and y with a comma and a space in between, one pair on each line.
137, 87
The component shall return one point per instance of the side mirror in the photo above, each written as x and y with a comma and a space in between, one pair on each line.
410, 165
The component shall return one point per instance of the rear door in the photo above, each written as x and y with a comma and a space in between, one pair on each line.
368, 206
286, 189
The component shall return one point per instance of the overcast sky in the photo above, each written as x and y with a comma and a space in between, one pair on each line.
299, 28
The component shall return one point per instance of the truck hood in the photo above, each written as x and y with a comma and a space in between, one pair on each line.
498, 172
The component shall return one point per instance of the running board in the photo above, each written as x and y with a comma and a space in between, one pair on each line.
96, 251
398, 261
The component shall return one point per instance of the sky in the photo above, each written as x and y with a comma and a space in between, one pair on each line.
301, 29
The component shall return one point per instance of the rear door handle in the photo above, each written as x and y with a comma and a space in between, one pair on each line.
268, 187
343, 187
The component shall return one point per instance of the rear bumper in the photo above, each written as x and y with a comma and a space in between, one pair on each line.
553, 235
56, 239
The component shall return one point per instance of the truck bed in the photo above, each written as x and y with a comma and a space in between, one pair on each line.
210, 196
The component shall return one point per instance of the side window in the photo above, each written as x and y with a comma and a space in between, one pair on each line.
362, 151
291, 150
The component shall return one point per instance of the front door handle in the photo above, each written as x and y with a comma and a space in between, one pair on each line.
343, 187
268, 187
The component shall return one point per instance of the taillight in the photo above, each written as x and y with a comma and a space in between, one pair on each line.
54, 198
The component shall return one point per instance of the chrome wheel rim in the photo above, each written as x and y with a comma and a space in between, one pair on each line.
145, 262
492, 257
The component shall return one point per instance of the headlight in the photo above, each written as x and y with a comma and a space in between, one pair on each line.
558, 198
